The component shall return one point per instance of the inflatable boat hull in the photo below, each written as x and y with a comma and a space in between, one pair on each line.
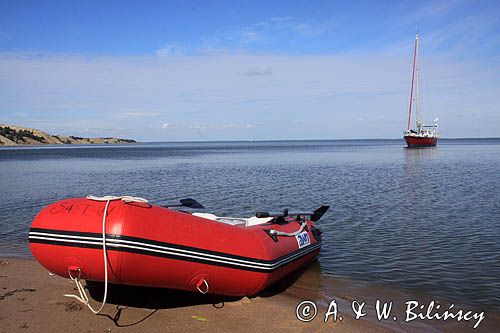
158, 247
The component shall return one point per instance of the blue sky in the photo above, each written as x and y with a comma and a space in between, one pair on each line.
216, 70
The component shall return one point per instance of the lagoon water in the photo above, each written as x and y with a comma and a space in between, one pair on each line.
422, 220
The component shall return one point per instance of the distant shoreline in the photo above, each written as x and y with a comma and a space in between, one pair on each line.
116, 141
302, 140
310, 140
12, 135
16, 136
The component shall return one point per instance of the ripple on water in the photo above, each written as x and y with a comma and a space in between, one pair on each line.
418, 219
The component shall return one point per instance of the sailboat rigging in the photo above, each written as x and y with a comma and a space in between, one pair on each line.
422, 135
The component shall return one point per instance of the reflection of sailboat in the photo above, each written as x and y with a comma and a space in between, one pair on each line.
415, 159
423, 135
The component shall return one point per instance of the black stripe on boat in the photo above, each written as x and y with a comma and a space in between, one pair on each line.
164, 250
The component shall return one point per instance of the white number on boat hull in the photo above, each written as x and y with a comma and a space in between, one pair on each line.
303, 239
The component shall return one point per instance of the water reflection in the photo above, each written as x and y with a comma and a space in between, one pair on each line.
415, 155
416, 185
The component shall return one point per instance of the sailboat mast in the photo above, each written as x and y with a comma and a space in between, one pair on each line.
417, 87
412, 78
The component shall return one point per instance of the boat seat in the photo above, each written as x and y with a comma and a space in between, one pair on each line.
239, 221
254, 220
207, 216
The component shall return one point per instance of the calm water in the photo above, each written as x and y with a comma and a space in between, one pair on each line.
427, 220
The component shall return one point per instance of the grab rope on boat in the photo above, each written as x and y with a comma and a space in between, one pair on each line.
83, 298
289, 234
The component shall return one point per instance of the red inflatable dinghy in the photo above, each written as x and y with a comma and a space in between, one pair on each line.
149, 245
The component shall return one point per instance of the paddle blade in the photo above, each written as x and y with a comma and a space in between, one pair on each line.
318, 213
191, 203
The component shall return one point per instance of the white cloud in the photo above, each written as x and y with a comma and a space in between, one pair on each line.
169, 50
431, 10
258, 71
249, 36
267, 31
454, 28
137, 114
310, 30
207, 97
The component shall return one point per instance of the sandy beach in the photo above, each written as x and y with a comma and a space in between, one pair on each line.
33, 301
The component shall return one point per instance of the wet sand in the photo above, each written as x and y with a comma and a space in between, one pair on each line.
33, 301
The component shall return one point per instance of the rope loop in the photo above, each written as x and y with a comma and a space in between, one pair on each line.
83, 298
79, 274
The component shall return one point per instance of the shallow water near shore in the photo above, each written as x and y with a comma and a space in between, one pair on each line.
424, 221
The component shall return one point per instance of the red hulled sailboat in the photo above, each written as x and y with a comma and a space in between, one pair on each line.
422, 135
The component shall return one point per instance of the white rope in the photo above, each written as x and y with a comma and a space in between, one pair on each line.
83, 298
289, 234
124, 198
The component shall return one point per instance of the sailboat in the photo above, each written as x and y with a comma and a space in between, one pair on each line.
422, 135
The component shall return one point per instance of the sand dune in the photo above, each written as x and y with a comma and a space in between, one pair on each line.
11, 135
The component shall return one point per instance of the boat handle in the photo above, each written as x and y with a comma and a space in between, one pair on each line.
74, 269
198, 285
